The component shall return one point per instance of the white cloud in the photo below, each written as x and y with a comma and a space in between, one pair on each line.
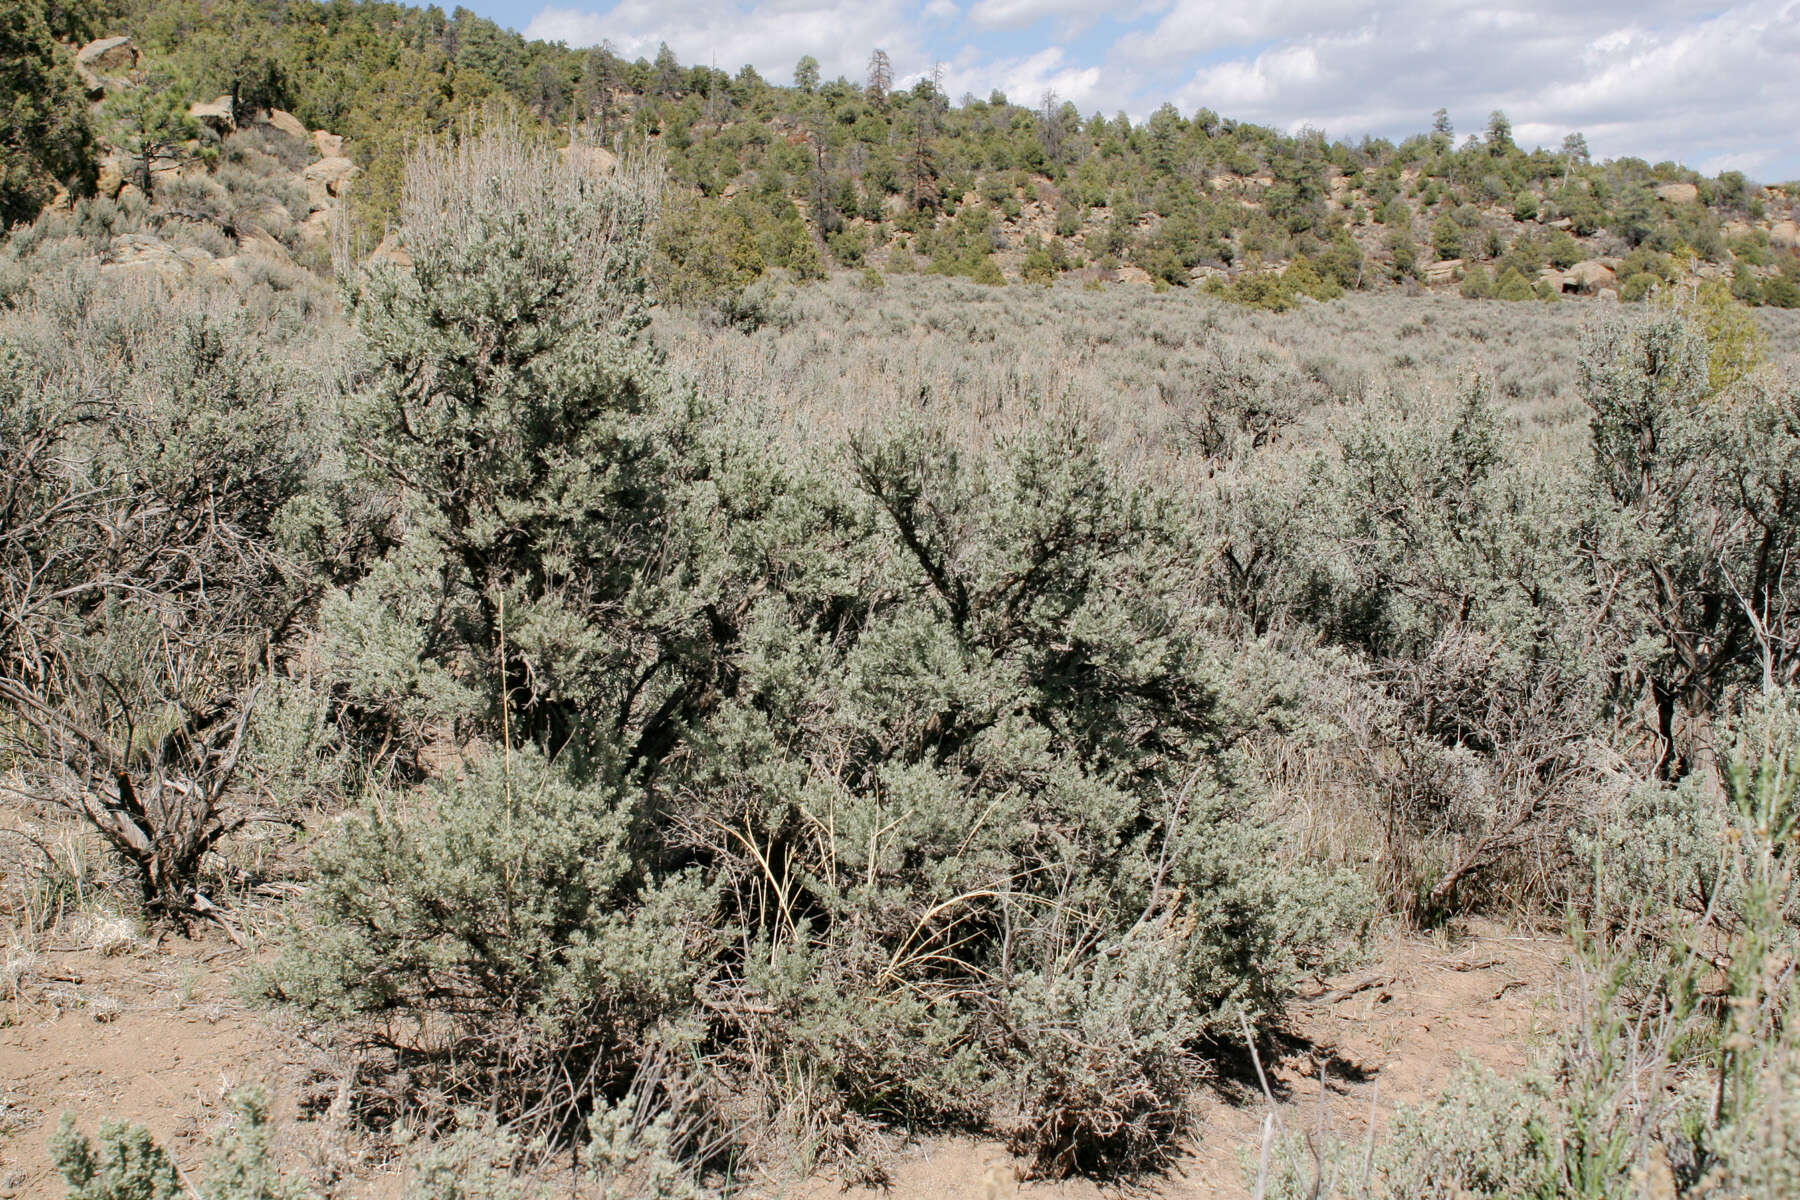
1068, 16
1664, 81
1026, 78
1191, 27
1018, 14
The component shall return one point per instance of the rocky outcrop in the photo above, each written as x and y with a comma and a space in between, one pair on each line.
1591, 276
389, 250
108, 56
1785, 233
316, 229
595, 159
218, 115
111, 173
329, 145
326, 179
288, 123
106, 66
144, 254
1444, 271
1678, 193
255, 243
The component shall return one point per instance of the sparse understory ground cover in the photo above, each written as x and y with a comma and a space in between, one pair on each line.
607, 750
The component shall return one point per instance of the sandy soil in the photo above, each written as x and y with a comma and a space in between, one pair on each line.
159, 1035
1389, 1034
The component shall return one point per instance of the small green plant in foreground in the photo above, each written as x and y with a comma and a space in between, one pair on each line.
127, 1164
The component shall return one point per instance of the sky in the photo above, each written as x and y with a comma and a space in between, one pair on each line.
1713, 86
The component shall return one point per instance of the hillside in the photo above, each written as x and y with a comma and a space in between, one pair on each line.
853, 174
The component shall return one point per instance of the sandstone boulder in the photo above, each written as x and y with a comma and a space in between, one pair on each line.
316, 229
329, 145
1591, 276
106, 66
1444, 271
1556, 280
266, 213
111, 176
326, 179
1785, 233
218, 115
144, 254
97, 86
256, 243
1678, 193
108, 56
287, 123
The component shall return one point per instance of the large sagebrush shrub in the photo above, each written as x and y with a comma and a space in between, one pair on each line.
526, 440
152, 443
1007, 768
1449, 567
903, 774
1695, 503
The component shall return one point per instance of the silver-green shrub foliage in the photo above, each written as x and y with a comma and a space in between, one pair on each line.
1675, 1073
152, 440
500, 926
908, 772
127, 1164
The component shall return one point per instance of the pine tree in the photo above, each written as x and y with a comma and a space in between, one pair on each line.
1499, 134
667, 79
881, 76
806, 75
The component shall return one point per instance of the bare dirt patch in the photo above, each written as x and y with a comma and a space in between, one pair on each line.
160, 1036
1390, 1034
